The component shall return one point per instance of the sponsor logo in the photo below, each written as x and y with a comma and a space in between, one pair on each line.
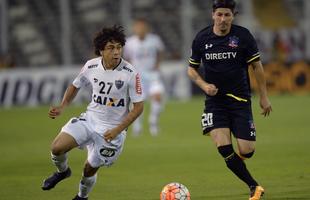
209, 46
107, 152
127, 69
108, 101
138, 84
253, 134
119, 84
92, 66
220, 56
233, 42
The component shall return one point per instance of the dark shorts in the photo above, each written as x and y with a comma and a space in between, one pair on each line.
229, 113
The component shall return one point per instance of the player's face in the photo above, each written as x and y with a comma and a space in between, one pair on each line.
140, 28
222, 18
112, 54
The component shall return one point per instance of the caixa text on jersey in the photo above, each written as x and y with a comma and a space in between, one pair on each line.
108, 101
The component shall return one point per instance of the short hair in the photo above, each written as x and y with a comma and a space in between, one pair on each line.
231, 4
108, 34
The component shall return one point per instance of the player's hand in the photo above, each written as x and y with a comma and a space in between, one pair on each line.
210, 89
54, 111
265, 106
109, 135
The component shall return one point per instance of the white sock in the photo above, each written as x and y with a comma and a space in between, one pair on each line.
154, 113
61, 162
86, 184
137, 125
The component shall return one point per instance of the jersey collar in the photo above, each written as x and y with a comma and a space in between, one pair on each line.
105, 69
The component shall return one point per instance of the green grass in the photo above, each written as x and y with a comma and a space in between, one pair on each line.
180, 154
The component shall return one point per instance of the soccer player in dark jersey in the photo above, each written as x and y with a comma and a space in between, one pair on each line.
225, 52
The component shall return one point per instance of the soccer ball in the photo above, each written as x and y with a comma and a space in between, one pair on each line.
175, 191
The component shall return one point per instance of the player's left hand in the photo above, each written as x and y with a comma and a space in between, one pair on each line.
110, 134
265, 105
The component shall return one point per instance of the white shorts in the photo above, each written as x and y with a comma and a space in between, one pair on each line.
100, 152
152, 83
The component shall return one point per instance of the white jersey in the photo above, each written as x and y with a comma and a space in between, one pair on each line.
143, 53
112, 91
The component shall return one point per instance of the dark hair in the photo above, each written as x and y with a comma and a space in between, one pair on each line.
231, 4
108, 34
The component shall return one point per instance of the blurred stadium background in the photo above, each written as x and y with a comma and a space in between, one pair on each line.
53, 39
45, 43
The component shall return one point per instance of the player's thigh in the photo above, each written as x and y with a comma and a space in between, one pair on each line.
221, 136
63, 143
215, 116
75, 133
245, 146
103, 153
242, 125
156, 97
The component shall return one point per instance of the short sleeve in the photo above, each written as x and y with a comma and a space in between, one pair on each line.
195, 58
81, 80
252, 53
135, 88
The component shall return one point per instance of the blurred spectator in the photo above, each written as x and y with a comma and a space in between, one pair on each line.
6, 61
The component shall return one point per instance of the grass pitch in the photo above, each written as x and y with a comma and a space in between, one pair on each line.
179, 154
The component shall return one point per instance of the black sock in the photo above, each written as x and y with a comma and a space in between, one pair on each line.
236, 165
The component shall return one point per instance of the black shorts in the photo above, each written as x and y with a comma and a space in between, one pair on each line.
229, 113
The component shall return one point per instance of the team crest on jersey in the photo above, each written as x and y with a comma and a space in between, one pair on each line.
233, 42
119, 84
252, 125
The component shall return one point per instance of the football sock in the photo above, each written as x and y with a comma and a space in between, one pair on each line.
61, 162
155, 111
86, 184
236, 165
137, 125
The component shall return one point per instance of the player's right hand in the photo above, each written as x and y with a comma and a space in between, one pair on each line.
211, 89
54, 111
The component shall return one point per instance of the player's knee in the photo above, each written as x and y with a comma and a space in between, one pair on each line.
247, 155
57, 149
89, 170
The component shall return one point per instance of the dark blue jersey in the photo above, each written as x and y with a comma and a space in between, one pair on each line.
225, 59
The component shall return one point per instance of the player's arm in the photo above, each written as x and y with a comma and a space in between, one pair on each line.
67, 99
132, 116
261, 82
208, 88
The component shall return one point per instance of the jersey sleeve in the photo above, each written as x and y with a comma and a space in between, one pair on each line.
252, 53
135, 88
195, 58
81, 80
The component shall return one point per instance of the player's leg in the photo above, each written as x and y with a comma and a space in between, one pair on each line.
244, 130
156, 108
156, 91
59, 148
222, 139
137, 125
87, 182
74, 133
246, 151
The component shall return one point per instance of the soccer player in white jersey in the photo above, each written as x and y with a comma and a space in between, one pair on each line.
102, 128
145, 50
